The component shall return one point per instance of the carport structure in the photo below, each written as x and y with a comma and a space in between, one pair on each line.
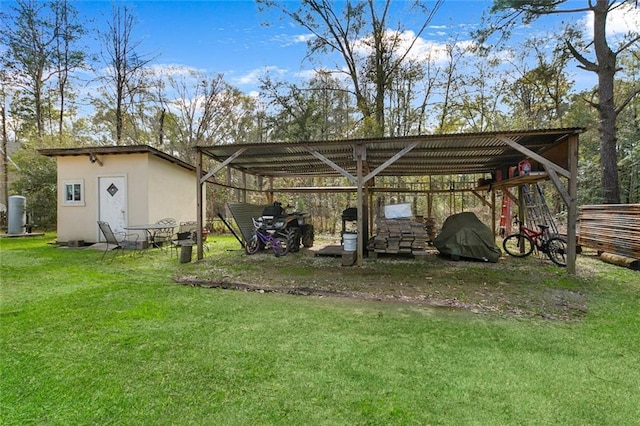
554, 152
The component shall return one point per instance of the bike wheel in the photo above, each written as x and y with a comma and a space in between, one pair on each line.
253, 245
557, 251
280, 246
518, 245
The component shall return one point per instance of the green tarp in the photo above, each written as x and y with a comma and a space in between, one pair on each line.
464, 235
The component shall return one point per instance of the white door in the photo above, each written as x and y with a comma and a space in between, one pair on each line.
112, 197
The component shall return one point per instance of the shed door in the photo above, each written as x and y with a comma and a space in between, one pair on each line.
112, 197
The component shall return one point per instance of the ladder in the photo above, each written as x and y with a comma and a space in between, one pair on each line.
536, 208
505, 214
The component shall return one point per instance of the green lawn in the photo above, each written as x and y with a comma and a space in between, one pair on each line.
85, 341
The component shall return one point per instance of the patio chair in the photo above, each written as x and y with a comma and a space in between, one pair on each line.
164, 235
119, 240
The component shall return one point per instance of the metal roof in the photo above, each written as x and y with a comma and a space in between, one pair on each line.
111, 150
443, 154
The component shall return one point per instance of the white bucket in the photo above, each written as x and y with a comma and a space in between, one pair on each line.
350, 241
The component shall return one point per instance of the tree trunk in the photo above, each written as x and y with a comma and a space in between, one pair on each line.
606, 106
5, 155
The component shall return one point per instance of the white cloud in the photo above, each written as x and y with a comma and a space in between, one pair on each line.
306, 74
285, 40
422, 49
167, 70
620, 21
253, 76
303, 38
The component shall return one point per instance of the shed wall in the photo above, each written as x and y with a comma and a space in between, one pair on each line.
172, 191
155, 189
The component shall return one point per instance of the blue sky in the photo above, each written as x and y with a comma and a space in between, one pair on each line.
227, 36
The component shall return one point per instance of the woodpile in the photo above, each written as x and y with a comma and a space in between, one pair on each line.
409, 236
611, 228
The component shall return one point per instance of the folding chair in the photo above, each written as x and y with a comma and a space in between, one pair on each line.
120, 240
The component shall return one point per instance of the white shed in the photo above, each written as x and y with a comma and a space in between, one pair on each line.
122, 185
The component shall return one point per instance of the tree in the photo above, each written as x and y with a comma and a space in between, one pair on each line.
371, 52
481, 97
125, 77
66, 57
5, 137
37, 182
316, 110
603, 63
539, 92
204, 110
39, 39
448, 121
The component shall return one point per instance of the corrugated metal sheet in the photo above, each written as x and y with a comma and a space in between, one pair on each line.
243, 213
432, 155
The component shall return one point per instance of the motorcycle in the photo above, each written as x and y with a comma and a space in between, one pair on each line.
292, 226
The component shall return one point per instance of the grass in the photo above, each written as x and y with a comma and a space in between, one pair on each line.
91, 342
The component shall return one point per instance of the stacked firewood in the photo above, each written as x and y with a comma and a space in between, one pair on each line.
405, 235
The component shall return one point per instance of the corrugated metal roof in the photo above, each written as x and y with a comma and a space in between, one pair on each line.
459, 153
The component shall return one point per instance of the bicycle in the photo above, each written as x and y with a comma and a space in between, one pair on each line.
523, 243
266, 239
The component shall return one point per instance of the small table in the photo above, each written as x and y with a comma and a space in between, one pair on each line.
151, 229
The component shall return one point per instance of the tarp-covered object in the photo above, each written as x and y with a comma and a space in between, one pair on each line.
464, 235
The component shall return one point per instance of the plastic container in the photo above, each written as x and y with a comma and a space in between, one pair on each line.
350, 241
524, 167
17, 215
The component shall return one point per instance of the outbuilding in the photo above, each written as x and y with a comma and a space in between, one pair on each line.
552, 154
122, 185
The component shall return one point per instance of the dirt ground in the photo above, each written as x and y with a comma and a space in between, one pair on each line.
531, 287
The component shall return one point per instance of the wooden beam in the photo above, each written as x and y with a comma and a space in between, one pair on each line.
360, 152
539, 158
481, 198
223, 164
559, 186
573, 204
199, 203
509, 194
493, 214
390, 161
331, 164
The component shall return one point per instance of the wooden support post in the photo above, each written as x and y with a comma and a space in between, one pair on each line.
521, 206
199, 201
244, 187
573, 204
493, 213
360, 153
270, 192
